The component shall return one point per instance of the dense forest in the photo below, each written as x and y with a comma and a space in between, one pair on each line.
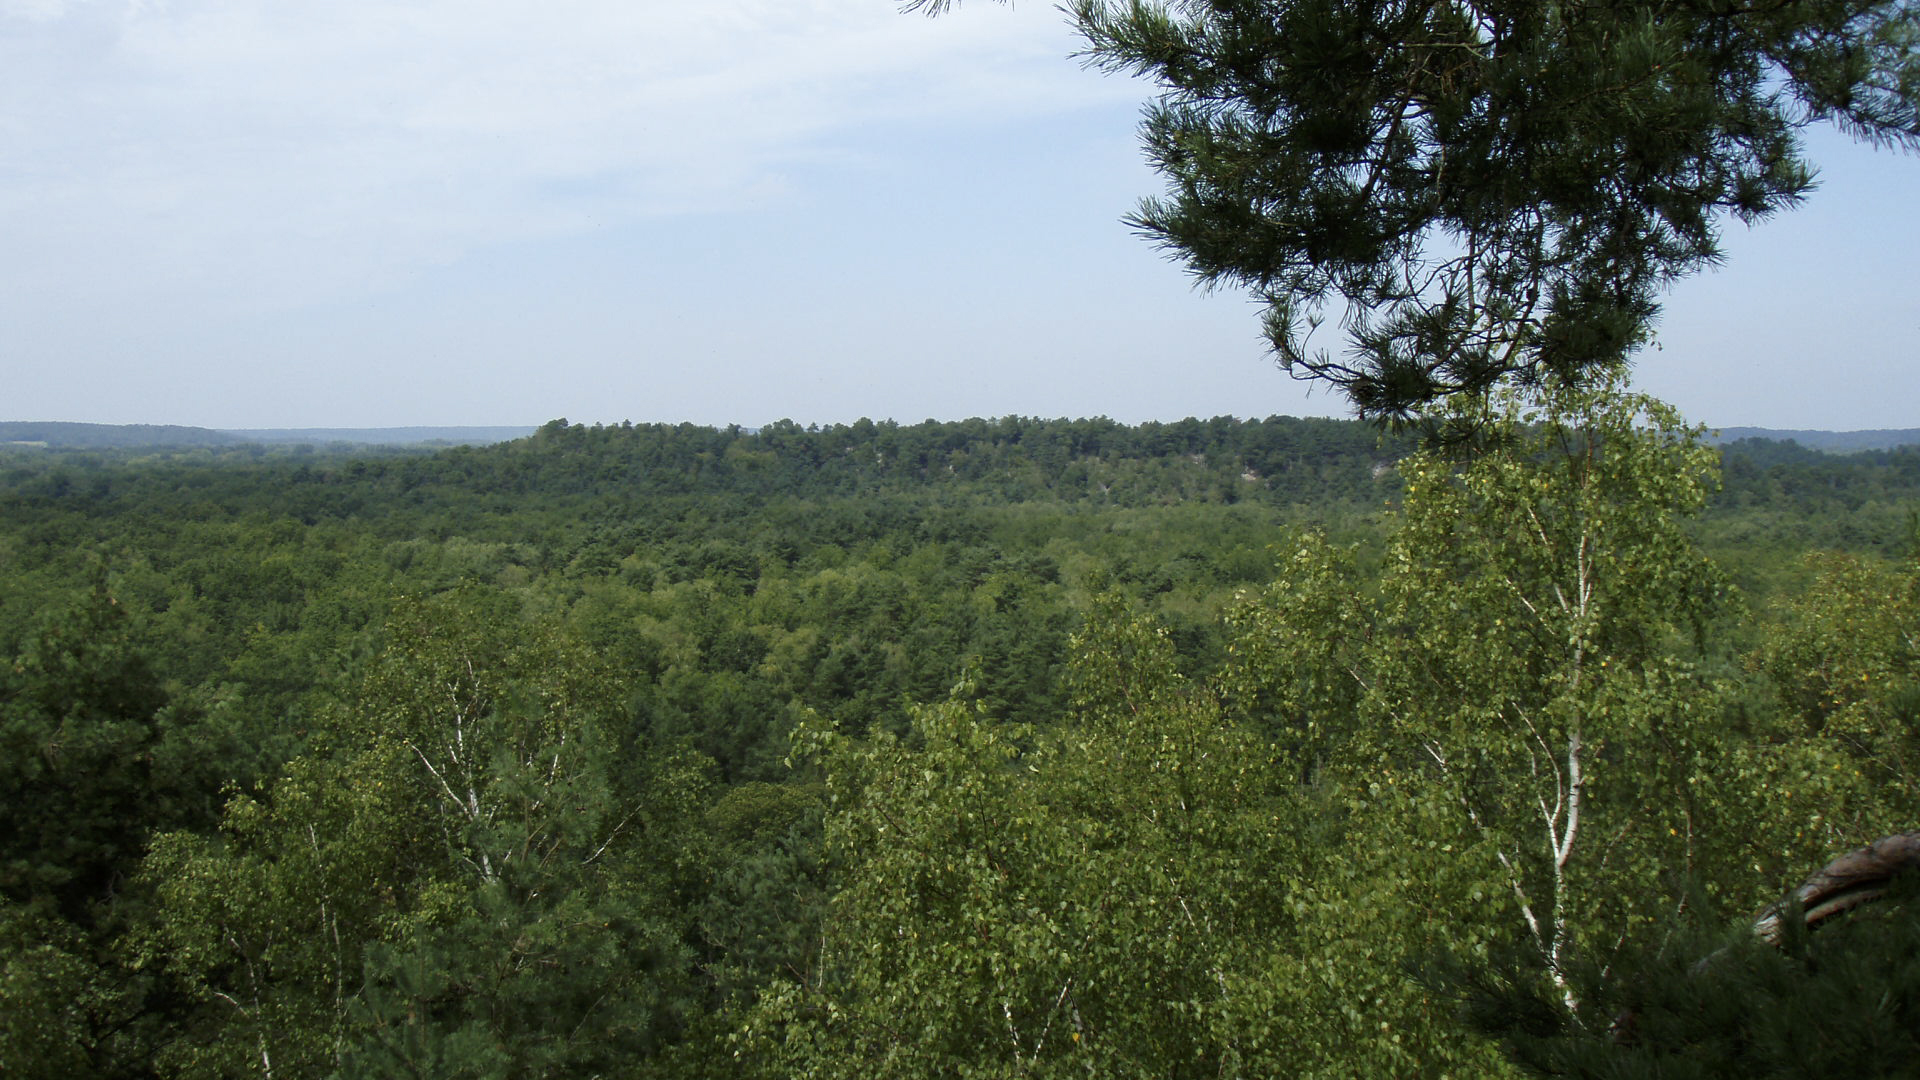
994, 748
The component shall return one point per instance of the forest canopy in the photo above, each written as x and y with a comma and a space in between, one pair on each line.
636, 749
1029, 748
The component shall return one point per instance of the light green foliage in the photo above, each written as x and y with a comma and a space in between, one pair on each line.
267, 923
1379, 881
1833, 759
1296, 649
1013, 904
1845, 664
1499, 743
1528, 689
1502, 755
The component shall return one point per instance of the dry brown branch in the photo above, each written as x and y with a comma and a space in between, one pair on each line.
1855, 878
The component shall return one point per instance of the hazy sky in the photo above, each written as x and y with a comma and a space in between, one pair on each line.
243, 213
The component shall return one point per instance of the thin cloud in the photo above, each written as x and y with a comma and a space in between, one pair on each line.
269, 153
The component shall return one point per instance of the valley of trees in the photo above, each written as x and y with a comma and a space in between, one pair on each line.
994, 748
1044, 748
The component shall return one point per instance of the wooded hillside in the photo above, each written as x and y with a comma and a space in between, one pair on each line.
1004, 747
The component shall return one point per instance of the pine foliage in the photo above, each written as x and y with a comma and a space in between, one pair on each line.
1478, 190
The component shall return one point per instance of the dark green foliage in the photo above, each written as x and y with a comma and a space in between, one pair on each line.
80, 725
761, 920
1843, 1000
56, 1001
463, 876
629, 622
93, 762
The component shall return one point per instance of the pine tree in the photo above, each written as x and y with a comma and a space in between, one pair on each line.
1483, 190
1794, 999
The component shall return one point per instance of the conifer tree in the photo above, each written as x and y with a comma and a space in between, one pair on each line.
1832, 999
1477, 190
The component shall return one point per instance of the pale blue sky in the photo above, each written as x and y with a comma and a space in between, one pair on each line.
234, 213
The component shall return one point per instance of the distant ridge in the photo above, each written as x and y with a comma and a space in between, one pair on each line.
62, 435
1833, 442
69, 436
385, 436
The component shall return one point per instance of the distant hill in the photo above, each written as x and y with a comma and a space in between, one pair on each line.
387, 436
1833, 442
71, 436
67, 436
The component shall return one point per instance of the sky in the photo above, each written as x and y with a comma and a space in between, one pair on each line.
368, 213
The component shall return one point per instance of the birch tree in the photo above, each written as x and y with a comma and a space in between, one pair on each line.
1530, 697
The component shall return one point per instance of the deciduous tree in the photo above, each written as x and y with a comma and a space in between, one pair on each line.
1101, 898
